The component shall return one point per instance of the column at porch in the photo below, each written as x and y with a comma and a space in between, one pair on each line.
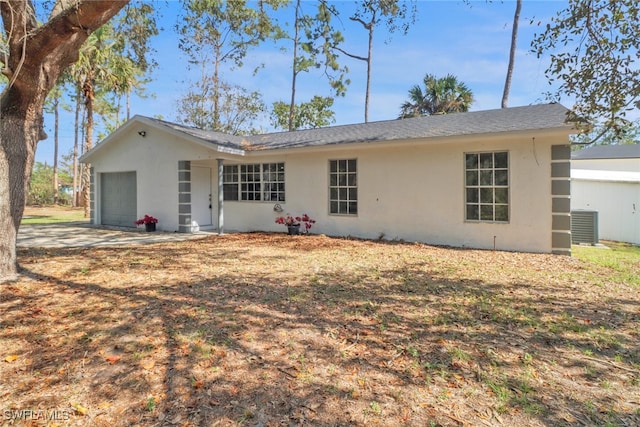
185, 224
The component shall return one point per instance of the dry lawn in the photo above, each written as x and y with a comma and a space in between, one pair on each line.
275, 330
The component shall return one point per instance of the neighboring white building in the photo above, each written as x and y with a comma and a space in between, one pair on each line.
484, 179
606, 179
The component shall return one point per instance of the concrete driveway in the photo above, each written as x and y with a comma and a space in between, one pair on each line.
82, 234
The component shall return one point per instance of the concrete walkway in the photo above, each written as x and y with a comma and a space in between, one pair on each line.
82, 234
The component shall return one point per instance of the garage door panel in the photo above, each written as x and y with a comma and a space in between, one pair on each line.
118, 196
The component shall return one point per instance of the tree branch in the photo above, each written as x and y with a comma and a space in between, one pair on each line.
38, 55
350, 55
366, 25
74, 24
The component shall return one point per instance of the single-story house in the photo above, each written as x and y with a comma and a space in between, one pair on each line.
605, 180
485, 179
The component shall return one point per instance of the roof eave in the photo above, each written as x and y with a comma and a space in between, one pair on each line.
565, 130
141, 120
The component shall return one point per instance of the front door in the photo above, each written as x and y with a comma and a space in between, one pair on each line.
201, 200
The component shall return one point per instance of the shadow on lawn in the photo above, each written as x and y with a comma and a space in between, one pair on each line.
400, 345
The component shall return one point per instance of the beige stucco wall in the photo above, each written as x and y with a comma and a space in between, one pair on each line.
155, 159
407, 191
414, 193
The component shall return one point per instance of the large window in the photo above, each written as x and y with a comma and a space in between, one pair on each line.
254, 182
487, 186
343, 187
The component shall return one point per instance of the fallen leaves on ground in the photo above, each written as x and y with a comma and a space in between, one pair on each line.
269, 329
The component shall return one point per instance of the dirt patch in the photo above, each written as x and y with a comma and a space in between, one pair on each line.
271, 330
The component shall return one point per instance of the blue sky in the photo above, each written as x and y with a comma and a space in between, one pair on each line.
469, 40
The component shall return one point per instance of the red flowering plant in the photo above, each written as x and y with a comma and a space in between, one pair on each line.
288, 221
307, 221
147, 219
291, 221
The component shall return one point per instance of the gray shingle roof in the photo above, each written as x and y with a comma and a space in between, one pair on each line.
533, 117
218, 138
625, 151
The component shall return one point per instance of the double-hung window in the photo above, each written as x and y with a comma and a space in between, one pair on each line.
487, 187
343, 187
254, 182
230, 182
273, 182
250, 186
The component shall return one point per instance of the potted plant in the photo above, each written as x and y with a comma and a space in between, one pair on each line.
148, 221
293, 223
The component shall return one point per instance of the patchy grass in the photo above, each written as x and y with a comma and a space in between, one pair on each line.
621, 260
52, 214
269, 329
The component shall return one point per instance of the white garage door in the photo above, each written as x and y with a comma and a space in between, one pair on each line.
118, 198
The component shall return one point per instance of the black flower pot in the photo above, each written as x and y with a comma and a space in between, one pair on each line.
294, 229
151, 226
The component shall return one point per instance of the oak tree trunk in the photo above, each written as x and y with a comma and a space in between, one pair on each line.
20, 132
36, 56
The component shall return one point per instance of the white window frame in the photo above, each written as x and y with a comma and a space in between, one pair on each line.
343, 187
487, 197
256, 182
273, 182
230, 179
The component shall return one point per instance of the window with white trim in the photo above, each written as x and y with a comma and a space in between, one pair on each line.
254, 182
250, 185
487, 186
343, 187
230, 188
273, 182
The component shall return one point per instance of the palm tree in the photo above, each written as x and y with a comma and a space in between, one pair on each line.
512, 54
440, 96
99, 69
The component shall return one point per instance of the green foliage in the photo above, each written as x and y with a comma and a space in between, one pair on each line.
225, 29
321, 37
134, 28
151, 404
395, 15
315, 50
440, 96
594, 47
603, 135
313, 114
104, 74
214, 33
41, 185
237, 110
